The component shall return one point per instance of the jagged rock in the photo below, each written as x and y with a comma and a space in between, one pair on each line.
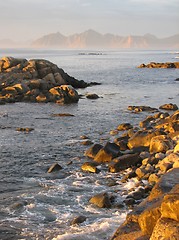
54, 168
124, 162
107, 153
161, 143
165, 228
160, 65
90, 167
101, 200
34, 80
62, 115
124, 126
169, 106
143, 138
92, 151
170, 206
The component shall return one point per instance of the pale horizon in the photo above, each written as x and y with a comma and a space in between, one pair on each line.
23, 20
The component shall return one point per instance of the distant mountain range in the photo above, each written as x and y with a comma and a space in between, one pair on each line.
92, 39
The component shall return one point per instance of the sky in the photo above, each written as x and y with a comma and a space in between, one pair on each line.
22, 20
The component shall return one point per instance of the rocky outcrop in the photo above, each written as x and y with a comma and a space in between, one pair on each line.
36, 80
160, 65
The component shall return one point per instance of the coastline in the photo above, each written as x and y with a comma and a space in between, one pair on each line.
137, 110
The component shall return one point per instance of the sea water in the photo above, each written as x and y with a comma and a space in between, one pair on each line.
38, 205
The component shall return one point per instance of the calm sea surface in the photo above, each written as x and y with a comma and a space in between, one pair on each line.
37, 205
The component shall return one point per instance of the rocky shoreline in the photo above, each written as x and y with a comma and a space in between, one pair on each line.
37, 80
148, 152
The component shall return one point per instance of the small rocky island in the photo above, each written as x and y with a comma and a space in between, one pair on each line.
160, 65
36, 80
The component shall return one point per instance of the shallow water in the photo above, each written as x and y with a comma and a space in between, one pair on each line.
37, 205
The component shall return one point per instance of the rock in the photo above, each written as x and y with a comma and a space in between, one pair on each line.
168, 161
124, 126
160, 65
26, 129
142, 138
170, 206
153, 178
54, 168
161, 143
142, 109
86, 142
21, 78
107, 153
92, 96
149, 217
78, 220
101, 200
165, 184
90, 167
165, 228
176, 149
62, 115
169, 106
92, 151
124, 162
146, 122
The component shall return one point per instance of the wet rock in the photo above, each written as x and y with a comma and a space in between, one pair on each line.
142, 109
169, 106
129, 201
92, 96
92, 151
124, 126
54, 168
86, 142
90, 167
102, 200
26, 129
107, 153
62, 115
160, 65
77, 220
124, 162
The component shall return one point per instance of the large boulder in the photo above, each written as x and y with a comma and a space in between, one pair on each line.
143, 138
107, 153
124, 162
161, 143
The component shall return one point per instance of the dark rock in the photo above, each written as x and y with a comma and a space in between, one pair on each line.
124, 162
107, 153
90, 167
92, 96
54, 168
169, 106
177, 79
92, 151
62, 115
26, 129
78, 220
142, 109
160, 65
101, 200
124, 126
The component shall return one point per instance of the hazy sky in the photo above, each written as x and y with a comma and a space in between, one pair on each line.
30, 19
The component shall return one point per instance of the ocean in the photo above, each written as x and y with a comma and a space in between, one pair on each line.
37, 205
